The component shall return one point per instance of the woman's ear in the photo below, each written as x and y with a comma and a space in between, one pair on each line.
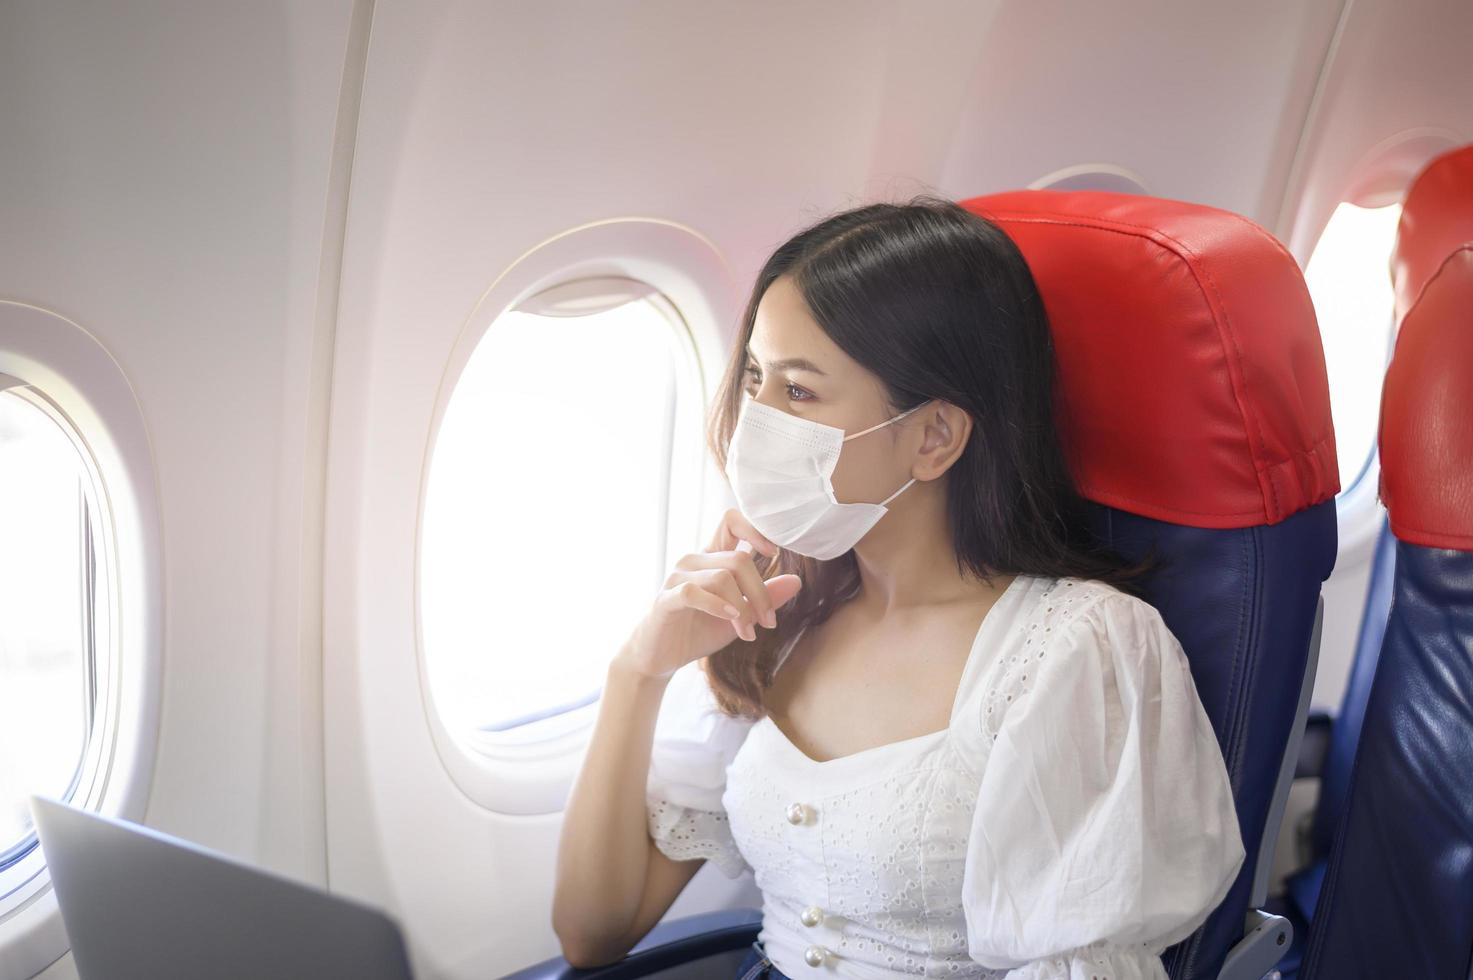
946, 431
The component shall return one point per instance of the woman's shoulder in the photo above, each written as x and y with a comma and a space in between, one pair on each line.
1084, 609
1062, 599
1065, 617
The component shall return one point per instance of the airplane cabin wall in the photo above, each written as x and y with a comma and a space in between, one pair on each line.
166, 185
288, 222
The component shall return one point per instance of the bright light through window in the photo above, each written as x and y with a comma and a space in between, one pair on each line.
44, 615
546, 511
1350, 282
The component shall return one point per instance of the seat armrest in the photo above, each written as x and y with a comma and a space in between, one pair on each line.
668, 944
1267, 940
1315, 746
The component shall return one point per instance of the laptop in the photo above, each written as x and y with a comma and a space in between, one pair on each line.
141, 905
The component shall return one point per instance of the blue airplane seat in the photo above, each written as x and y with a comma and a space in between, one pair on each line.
1328, 750
1194, 407
1346, 726
1194, 393
1397, 895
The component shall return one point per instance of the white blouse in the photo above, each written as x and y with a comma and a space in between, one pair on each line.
1073, 820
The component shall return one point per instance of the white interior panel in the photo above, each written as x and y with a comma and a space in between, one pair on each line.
289, 223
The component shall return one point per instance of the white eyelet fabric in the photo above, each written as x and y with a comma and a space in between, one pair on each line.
1073, 820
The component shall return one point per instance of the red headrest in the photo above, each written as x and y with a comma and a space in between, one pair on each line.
1192, 381
1426, 426
1436, 217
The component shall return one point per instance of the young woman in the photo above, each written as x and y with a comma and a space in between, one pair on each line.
930, 714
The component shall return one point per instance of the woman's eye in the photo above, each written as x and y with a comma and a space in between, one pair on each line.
794, 392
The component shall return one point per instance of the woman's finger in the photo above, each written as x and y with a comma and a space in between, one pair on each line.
735, 528
749, 580
695, 597
724, 583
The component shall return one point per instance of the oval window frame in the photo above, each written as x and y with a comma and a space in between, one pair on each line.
686, 275
74, 378
84, 779
1092, 177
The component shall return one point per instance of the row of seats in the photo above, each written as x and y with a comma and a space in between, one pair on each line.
1389, 889
1194, 406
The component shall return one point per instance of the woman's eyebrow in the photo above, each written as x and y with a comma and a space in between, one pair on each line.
791, 364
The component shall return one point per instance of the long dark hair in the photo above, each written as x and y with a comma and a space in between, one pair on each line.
939, 303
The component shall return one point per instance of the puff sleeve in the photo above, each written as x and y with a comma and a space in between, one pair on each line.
1105, 829
694, 742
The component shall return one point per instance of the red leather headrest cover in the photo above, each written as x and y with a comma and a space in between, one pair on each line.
1436, 217
1426, 425
1192, 380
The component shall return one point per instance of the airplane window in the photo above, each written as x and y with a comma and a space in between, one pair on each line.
47, 610
1350, 283
560, 460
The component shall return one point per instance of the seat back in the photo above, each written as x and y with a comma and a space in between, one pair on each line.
1397, 899
1345, 733
1195, 410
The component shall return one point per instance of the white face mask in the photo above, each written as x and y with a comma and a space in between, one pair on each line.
780, 467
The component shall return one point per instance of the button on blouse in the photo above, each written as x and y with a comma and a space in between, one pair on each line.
1073, 820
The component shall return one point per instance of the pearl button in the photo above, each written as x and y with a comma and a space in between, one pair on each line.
795, 813
811, 916
814, 955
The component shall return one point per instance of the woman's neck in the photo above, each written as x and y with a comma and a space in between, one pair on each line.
907, 559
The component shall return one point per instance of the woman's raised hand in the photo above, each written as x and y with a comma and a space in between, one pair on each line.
709, 597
